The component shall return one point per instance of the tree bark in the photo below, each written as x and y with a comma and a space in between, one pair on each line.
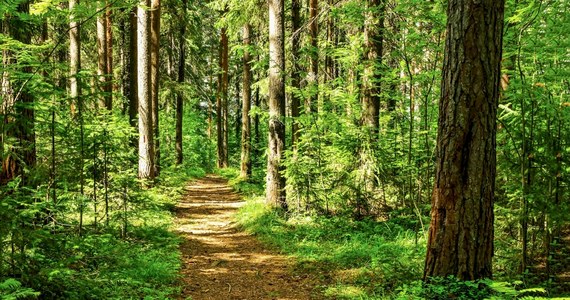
19, 116
109, 60
275, 181
154, 77
219, 117
146, 137
373, 39
133, 85
296, 72
245, 170
460, 239
225, 83
179, 99
314, 71
102, 66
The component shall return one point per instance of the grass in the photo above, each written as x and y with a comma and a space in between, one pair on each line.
353, 259
103, 265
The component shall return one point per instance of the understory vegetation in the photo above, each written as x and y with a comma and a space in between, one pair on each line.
364, 259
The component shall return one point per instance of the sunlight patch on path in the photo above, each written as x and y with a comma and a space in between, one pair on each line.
221, 262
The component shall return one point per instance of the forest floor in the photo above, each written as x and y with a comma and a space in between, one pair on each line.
222, 262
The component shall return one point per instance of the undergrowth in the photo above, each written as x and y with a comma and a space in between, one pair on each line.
105, 263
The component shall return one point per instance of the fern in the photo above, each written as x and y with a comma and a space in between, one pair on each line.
11, 289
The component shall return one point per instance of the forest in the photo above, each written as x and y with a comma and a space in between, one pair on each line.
272, 149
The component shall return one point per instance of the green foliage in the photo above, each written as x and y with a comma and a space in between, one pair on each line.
360, 258
11, 289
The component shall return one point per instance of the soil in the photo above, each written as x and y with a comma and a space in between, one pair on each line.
222, 262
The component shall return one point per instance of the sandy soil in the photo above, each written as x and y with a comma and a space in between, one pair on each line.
222, 262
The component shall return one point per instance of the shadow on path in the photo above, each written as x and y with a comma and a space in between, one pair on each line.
222, 262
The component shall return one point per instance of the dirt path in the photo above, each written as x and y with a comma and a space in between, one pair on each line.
221, 262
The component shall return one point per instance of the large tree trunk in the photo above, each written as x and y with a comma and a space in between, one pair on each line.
275, 181
373, 38
461, 231
146, 137
296, 72
179, 100
17, 110
154, 77
245, 170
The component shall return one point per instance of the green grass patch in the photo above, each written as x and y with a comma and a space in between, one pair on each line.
354, 259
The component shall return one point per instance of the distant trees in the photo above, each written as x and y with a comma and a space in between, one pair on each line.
460, 239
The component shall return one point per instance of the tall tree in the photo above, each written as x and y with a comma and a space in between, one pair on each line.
132, 77
373, 39
314, 70
102, 55
179, 99
224, 92
109, 53
296, 72
461, 231
275, 181
245, 170
17, 107
154, 76
146, 136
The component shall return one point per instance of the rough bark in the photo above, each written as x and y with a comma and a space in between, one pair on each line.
314, 70
146, 137
154, 77
373, 40
179, 99
224, 91
133, 94
275, 181
461, 231
19, 116
296, 72
109, 60
219, 117
102, 55
245, 169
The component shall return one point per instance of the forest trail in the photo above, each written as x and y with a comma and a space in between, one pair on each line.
222, 262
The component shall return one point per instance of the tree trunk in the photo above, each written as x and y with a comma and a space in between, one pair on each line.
179, 99
133, 85
314, 71
19, 117
373, 38
102, 56
275, 182
225, 83
154, 77
219, 117
296, 72
146, 137
461, 231
245, 170
109, 59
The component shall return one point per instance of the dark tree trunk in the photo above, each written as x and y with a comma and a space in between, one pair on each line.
314, 70
373, 39
109, 60
132, 57
461, 231
296, 72
179, 99
18, 112
275, 181
245, 170
219, 117
154, 77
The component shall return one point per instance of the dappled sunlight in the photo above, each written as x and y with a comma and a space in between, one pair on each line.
222, 262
